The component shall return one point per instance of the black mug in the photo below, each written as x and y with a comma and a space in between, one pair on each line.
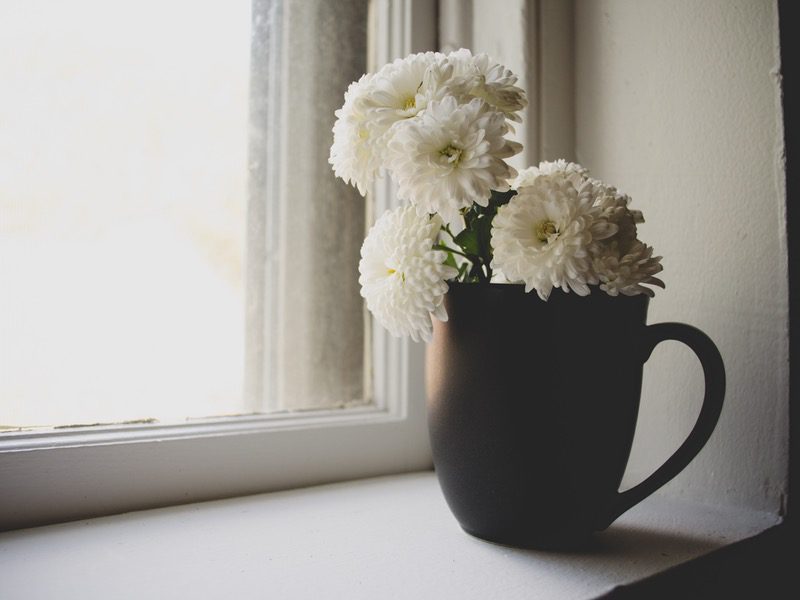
532, 408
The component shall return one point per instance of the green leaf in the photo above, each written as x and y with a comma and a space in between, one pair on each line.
476, 273
462, 271
501, 198
468, 240
469, 215
483, 234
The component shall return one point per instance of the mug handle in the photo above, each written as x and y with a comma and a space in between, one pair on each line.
714, 373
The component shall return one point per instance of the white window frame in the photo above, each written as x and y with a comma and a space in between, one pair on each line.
77, 473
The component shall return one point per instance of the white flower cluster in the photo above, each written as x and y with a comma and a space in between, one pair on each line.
566, 230
437, 122
402, 275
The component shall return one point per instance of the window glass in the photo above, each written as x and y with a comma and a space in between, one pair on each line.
132, 171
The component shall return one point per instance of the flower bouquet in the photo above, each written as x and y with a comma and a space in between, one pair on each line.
439, 125
532, 398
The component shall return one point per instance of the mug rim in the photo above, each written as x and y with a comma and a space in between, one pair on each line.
557, 296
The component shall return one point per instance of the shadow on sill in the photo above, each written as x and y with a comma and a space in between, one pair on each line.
626, 540
759, 567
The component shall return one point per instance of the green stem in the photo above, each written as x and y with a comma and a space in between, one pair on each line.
469, 257
474, 259
446, 228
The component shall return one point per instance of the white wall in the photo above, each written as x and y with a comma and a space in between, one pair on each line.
678, 104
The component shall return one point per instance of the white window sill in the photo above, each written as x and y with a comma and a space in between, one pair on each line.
377, 538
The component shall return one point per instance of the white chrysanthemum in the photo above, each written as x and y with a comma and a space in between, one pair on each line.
451, 156
543, 237
628, 273
613, 205
404, 88
482, 78
401, 91
559, 169
398, 91
354, 154
402, 278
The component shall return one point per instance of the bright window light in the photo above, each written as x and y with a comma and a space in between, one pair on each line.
123, 193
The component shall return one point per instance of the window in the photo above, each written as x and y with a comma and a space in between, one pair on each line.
125, 264
76, 472
123, 198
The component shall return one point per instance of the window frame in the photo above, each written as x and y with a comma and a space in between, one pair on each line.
81, 472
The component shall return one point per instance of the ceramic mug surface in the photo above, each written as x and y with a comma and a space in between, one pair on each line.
532, 408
